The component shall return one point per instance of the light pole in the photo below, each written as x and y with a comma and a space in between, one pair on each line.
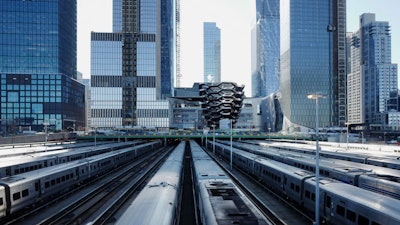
45, 133
231, 143
213, 126
269, 133
316, 96
347, 142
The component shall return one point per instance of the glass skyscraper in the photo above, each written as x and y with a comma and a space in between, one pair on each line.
313, 61
212, 52
267, 54
135, 65
38, 47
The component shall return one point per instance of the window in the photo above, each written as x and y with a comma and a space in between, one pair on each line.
16, 196
25, 193
340, 210
362, 220
351, 215
1, 201
307, 194
328, 201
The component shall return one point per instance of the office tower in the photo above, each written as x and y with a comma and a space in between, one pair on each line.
373, 78
106, 76
212, 52
135, 65
38, 47
267, 41
313, 37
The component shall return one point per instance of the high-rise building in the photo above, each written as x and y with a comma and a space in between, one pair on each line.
312, 60
267, 53
38, 56
373, 79
212, 52
135, 65
106, 80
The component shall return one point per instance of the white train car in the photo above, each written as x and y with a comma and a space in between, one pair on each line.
158, 203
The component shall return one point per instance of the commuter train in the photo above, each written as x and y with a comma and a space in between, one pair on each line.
340, 203
159, 202
382, 159
24, 190
218, 199
380, 180
14, 165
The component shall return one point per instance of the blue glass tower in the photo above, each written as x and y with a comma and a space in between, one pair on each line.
38, 41
267, 48
212, 53
313, 61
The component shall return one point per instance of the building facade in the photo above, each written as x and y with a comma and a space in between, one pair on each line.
212, 52
312, 60
38, 55
373, 73
106, 79
267, 48
133, 68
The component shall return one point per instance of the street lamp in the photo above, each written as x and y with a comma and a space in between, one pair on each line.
316, 96
347, 142
213, 126
45, 133
269, 133
231, 141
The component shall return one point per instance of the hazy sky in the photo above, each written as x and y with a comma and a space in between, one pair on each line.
235, 19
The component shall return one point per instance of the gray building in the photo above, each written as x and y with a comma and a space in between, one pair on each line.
313, 61
38, 57
212, 52
373, 91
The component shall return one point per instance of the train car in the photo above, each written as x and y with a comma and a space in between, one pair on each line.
218, 199
158, 203
2, 202
381, 180
340, 203
24, 163
282, 178
26, 189
348, 205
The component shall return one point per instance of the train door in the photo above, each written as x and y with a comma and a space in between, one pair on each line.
328, 208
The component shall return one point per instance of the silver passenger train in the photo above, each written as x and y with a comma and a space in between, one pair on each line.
159, 202
218, 199
24, 190
380, 180
340, 203
14, 165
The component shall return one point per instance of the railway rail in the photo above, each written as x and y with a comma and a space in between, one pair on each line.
90, 205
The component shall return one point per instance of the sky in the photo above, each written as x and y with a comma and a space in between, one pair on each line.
235, 18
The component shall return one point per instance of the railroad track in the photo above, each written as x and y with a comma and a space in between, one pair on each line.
95, 202
269, 213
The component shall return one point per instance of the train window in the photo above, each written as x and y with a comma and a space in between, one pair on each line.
58, 180
47, 184
25, 193
53, 182
16, 196
313, 196
292, 186
328, 202
36, 186
351, 215
297, 188
340, 210
362, 220
62, 178
375, 223
1, 201
307, 194
16, 171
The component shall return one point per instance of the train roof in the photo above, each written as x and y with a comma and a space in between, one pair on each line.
155, 203
360, 196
